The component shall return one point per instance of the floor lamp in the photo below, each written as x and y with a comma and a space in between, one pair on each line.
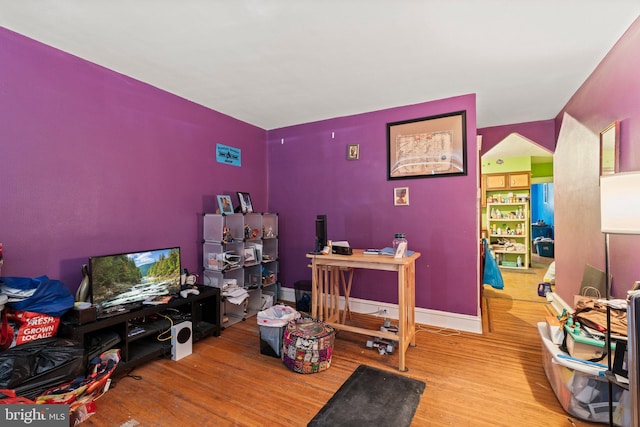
619, 214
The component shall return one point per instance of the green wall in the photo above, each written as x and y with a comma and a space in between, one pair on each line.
540, 170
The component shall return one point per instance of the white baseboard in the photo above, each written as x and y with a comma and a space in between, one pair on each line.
559, 304
439, 319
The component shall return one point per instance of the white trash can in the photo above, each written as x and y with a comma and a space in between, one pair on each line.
272, 322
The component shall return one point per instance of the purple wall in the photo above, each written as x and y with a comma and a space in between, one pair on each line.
612, 92
541, 132
309, 175
94, 162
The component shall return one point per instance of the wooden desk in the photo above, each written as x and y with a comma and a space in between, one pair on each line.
331, 271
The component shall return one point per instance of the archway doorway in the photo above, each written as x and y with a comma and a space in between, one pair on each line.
516, 174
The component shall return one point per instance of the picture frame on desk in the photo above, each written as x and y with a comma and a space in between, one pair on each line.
245, 202
250, 255
225, 205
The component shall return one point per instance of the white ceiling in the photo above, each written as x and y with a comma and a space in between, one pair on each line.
275, 63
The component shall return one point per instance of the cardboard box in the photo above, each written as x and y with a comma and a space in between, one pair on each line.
581, 346
555, 329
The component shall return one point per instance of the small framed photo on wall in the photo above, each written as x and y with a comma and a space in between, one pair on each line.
353, 151
401, 196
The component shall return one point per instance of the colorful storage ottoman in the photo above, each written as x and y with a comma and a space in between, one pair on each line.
307, 346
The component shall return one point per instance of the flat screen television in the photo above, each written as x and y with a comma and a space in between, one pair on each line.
129, 278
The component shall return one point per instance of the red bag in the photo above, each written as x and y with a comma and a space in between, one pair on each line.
10, 398
29, 326
6, 332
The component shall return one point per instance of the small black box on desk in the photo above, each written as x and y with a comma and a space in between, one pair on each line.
81, 316
342, 250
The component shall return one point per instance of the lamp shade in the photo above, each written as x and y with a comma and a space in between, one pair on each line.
620, 203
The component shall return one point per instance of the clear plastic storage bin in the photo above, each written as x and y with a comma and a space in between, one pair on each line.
214, 227
581, 388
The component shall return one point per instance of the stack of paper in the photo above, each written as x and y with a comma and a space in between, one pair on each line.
236, 295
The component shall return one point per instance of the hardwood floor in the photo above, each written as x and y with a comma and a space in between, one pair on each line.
494, 379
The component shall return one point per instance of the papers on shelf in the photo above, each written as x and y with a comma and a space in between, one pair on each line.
235, 295
229, 283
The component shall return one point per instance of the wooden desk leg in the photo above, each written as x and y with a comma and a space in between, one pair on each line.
318, 291
326, 283
402, 321
331, 303
315, 288
411, 304
335, 294
346, 288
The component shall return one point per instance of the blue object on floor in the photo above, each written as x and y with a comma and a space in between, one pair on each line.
492, 275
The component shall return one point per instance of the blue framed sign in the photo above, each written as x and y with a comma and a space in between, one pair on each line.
228, 155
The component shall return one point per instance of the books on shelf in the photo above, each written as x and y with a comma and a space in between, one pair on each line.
135, 331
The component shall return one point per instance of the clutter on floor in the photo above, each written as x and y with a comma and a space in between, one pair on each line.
550, 275
575, 353
491, 274
272, 323
544, 246
37, 366
594, 282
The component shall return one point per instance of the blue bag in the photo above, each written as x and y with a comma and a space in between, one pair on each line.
51, 297
492, 275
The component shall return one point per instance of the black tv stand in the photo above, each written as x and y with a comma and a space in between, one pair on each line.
113, 312
202, 310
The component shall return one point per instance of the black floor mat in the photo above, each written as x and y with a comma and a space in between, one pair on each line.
372, 397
